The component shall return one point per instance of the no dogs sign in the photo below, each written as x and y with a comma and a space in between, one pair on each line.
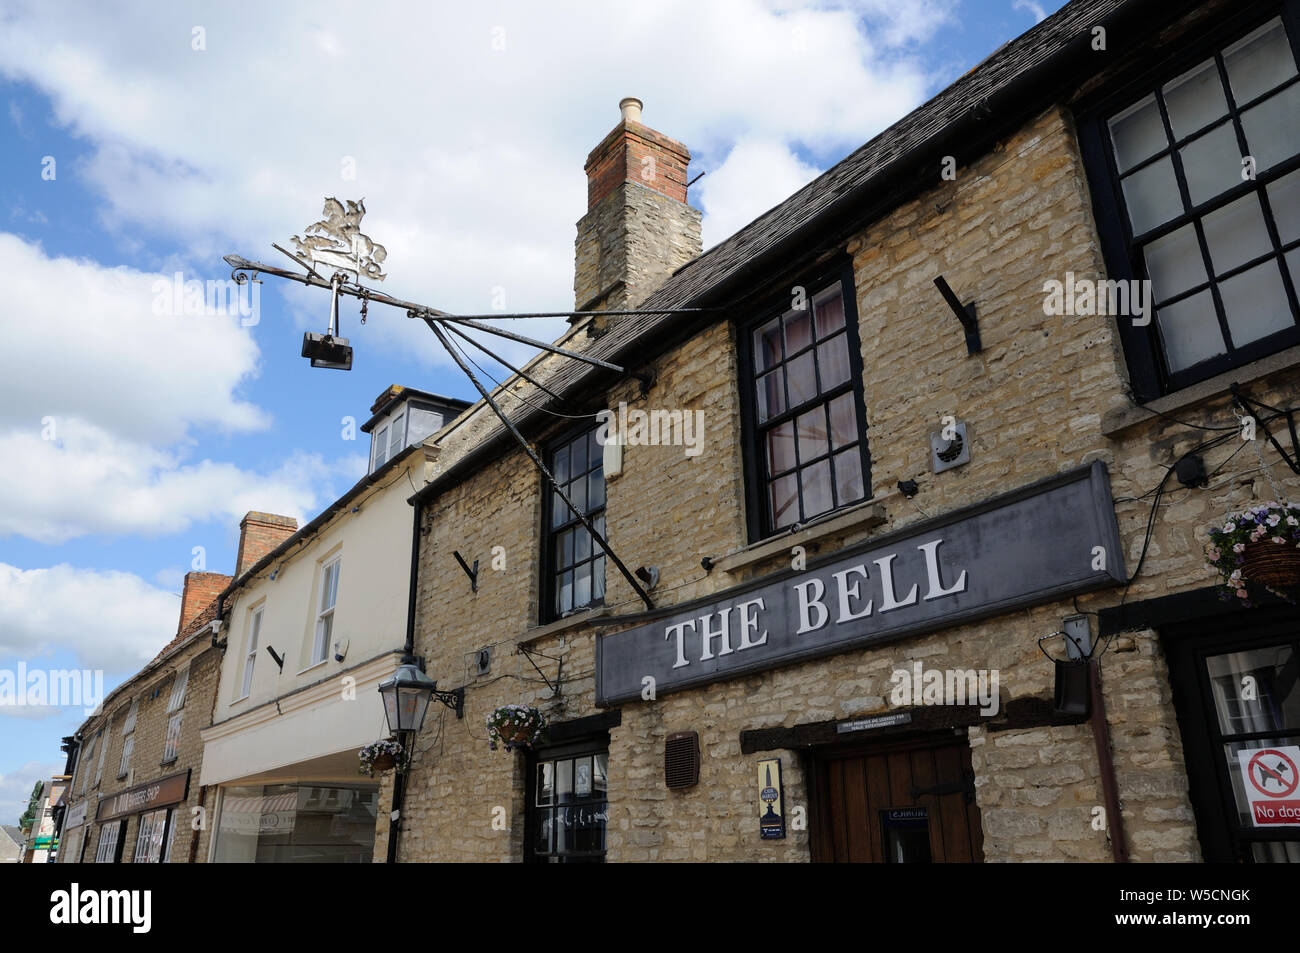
1271, 777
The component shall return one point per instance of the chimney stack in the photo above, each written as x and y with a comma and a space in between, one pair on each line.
200, 589
638, 228
259, 533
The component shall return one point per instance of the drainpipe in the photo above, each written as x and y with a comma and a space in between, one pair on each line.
1109, 784
399, 776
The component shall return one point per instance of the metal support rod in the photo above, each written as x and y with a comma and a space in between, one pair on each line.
503, 362
537, 462
524, 339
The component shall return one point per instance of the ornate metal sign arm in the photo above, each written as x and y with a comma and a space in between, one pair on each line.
537, 462
504, 363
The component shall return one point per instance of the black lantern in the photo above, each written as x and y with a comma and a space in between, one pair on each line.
407, 693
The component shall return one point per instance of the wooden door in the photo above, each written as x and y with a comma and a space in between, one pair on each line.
901, 803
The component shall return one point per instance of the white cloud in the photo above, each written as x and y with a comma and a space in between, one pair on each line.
92, 481
1033, 9
82, 340
756, 175
16, 788
469, 156
110, 620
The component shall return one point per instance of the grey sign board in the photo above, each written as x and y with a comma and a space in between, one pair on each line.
1054, 538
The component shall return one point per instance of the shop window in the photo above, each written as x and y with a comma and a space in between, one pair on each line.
329, 591
805, 422
1197, 181
575, 563
153, 841
291, 823
109, 849
568, 807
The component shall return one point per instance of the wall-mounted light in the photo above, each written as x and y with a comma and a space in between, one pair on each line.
407, 693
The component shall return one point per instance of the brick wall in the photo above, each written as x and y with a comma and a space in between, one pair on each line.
259, 533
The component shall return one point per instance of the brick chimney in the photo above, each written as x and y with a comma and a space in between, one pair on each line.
638, 228
259, 533
200, 589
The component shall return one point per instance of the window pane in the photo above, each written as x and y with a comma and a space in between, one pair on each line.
582, 586
545, 831
812, 434
780, 448
1190, 331
600, 774
767, 345
581, 544
563, 782
830, 312
1152, 196
785, 500
1293, 263
1236, 234
1137, 133
833, 361
1273, 703
1273, 128
848, 476
798, 331
803, 379
816, 481
771, 395
1284, 200
598, 579
564, 592
1259, 62
564, 549
844, 422
560, 465
1212, 163
560, 512
1195, 99
578, 494
399, 434
595, 489
1256, 305
1174, 263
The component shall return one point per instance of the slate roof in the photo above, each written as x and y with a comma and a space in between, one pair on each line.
1010, 86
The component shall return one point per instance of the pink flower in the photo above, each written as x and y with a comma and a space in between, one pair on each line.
1238, 547
1278, 539
1242, 593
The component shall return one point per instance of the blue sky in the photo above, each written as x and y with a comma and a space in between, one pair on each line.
179, 135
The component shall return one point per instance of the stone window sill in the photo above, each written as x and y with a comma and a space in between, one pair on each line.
865, 515
574, 621
1117, 421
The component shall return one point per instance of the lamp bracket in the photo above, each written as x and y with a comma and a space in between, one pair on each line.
965, 314
453, 699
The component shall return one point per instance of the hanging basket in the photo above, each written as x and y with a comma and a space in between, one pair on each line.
1276, 565
384, 762
514, 726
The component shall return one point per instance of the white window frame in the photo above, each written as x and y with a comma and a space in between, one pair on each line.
124, 765
83, 765
106, 849
179, 687
379, 454
250, 656
150, 846
324, 628
171, 749
397, 435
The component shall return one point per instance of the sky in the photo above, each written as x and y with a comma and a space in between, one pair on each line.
142, 141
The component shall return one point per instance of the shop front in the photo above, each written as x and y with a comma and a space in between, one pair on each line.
155, 806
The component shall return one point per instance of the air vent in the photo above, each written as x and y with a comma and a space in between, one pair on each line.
682, 760
948, 453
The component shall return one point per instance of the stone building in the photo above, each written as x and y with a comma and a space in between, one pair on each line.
866, 509
134, 796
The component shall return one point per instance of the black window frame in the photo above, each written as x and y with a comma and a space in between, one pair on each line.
1149, 375
549, 610
759, 519
591, 746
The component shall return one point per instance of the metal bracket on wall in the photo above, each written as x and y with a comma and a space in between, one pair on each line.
472, 573
1248, 406
965, 314
559, 669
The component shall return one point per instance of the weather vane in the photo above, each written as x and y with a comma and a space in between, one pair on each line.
337, 246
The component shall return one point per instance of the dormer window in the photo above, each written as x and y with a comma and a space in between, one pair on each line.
404, 417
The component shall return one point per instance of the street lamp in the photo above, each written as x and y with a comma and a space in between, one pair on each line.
407, 693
